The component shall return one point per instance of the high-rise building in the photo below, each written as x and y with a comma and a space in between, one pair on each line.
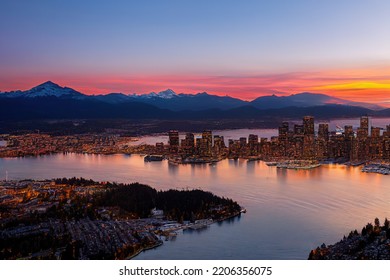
208, 135
323, 131
218, 145
283, 130
375, 132
206, 143
348, 131
308, 140
361, 133
349, 139
190, 140
321, 143
234, 148
386, 133
364, 124
308, 125
283, 138
253, 139
242, 141
298, 129
375, 146
197, 145
188, 144
253, 143
223, 142
173, 141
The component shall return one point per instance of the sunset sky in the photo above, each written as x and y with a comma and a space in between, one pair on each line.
243, 49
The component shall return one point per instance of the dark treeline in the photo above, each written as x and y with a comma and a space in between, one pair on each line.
20, 237
371, 243
193, 204
20, 246
177, 205
134, 198
76, 181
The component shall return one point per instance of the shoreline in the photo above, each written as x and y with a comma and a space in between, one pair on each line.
382, 168
144, 250
161, 243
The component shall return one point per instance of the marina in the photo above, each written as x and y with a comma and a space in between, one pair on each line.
380, 168
298, 164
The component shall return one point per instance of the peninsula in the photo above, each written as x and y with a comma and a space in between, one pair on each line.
82, 219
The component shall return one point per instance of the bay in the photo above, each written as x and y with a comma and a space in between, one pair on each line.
289, 212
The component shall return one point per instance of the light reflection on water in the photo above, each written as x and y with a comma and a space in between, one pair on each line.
289, 211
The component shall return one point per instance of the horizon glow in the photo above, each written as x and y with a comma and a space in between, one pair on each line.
244, 50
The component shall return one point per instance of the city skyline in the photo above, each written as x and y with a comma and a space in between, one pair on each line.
299, 142
246, 131
225, 48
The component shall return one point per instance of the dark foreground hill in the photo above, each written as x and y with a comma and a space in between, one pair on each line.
372, 243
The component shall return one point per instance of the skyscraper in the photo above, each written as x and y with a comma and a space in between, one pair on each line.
173, 141
207, 143
323, 131
364, 124
375, 132
188, 145
308, 140
348, 131
308, 125
298, 129
283, 131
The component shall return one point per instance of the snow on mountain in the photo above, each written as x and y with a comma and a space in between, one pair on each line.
46, 89
170, 100
166, 94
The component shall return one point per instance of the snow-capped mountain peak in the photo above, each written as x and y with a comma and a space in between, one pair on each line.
166, 94
46, 89
50, 89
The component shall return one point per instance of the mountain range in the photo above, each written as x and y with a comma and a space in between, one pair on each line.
49, 100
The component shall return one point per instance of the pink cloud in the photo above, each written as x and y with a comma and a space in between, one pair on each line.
242, 86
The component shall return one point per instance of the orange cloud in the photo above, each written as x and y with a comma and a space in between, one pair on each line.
363, 85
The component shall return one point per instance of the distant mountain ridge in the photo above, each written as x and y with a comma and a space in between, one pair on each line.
168, 99
46, 89
51, 101
306, 99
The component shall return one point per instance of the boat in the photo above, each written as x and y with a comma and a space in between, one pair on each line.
383, 169
175, 160
149, 158
194, 160
354, 164
298, 164
271, 163
199, 224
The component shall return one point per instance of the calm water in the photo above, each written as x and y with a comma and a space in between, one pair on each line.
289, 211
